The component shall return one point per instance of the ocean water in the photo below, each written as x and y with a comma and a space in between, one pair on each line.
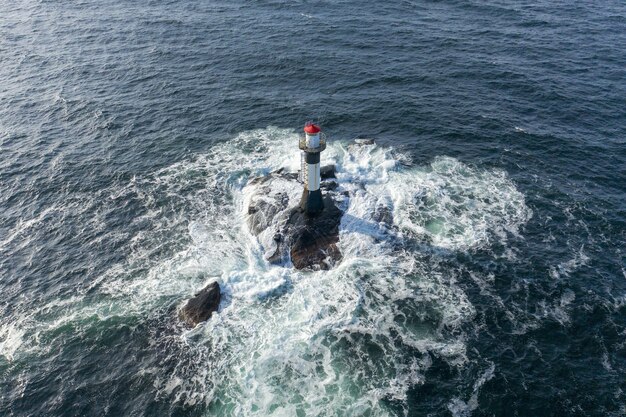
129, 132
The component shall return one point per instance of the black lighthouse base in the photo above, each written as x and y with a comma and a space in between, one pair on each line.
312, 202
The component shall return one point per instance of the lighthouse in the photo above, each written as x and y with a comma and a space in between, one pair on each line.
311, 145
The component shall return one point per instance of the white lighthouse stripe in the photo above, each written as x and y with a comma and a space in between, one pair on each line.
313, 177
312, 141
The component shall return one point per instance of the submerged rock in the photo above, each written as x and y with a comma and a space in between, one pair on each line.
364, 141
383, 214
202, 305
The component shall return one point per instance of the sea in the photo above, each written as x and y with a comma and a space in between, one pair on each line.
129, 133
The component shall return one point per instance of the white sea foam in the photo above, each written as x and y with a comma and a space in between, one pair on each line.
285, 341
460, 408
564, 269
24, 225
11, 337
455, 206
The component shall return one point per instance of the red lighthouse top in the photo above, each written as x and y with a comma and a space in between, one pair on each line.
312, 129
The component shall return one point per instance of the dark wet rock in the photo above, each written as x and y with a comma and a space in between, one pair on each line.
327, 172
364, 141
329, 185
314, 239
202, 305
383, 214
310, 242
263, 210
287, 233
279, 173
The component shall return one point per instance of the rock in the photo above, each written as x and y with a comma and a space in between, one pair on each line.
327, 171
276, 258
329, 185
202, 305
263, 210
285, 232
314, 239
359, 145
383, 214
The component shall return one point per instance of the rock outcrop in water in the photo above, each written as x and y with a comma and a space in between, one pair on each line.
309, 242
202, 305
313, 242
327, 172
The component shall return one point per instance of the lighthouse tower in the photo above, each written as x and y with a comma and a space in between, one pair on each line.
311, 145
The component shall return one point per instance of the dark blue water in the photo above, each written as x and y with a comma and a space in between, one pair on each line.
128, 131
